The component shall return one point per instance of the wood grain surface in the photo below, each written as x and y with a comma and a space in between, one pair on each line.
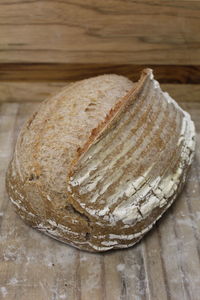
164, 265
106, 31
73, 72
35, 91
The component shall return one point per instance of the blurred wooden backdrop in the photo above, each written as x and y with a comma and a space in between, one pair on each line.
44, 44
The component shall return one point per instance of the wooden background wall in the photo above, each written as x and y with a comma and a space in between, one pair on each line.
45, 43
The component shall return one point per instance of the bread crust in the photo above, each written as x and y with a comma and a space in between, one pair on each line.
57, 207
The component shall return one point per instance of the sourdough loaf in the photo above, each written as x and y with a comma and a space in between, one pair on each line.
99, 163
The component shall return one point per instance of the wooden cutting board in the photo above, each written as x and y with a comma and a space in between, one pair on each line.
164, 265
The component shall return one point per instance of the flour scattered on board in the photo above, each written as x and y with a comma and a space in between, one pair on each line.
14, 253
120, 267
13, 281
56, 294
4, 291
198, 215
83, 258
63, 296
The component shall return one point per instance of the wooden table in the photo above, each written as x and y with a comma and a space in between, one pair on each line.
164, 265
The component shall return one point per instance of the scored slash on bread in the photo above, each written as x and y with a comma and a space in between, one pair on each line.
100, 162
113, 115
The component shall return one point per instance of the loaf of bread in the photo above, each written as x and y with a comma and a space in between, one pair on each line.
99, 163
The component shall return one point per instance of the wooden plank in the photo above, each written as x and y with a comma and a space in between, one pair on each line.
114, 31
7, 124
17, 91
113, 286
28, 91
90, 276
183, 92
133, 273
158, 287
187, 247
171, 258
194, 110
75, 71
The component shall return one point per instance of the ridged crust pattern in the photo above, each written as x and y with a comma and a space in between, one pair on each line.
98, 164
